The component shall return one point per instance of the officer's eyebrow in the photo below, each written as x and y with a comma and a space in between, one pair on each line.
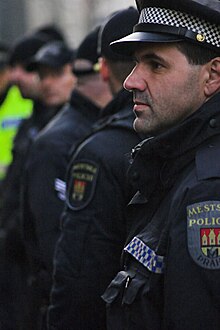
148, 56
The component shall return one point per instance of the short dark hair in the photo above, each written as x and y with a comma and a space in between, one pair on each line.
195, 54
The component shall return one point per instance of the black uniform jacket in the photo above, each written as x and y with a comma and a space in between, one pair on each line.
27, 132
93, 224
44, 181
12, 253
171, 262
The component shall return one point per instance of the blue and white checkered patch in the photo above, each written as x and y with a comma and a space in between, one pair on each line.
146, 256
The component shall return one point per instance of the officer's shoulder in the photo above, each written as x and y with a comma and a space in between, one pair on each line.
208, 159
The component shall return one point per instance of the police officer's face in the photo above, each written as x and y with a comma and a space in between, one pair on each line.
166, 88
57, 84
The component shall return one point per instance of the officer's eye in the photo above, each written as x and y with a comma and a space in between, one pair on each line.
155, 65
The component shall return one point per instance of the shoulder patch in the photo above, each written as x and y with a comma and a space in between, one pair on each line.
82, 182
203, 233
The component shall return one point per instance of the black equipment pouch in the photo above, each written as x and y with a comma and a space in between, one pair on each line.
129, 294
134, 298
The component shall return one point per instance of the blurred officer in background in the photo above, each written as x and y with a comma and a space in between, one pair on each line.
14, 262
30, 87
44, 180
53, 63
13, 108
93, 224
170, 276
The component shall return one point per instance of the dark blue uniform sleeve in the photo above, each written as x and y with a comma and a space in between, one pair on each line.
93, 233
192, 295
43, 204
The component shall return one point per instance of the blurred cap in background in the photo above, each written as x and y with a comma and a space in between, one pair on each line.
52, 31
116, 26
27, 46
54, 54
87, 56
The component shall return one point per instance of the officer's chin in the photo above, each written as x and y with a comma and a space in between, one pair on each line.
138, 126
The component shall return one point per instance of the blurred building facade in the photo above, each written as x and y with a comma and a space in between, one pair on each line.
74, 17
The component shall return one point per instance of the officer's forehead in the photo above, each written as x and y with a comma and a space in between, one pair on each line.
154, 49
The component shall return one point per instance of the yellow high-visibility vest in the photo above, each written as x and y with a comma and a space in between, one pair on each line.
13, 109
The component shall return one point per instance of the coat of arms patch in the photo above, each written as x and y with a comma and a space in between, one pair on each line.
203, 233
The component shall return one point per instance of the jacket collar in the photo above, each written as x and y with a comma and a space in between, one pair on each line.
158, 160
121, 100
84, 105
193, 131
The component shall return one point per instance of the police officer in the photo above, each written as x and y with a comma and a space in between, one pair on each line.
53, 63
93, 223
13, 259
171, 261
30, 87
44, 180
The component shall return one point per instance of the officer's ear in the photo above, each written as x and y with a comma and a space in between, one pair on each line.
104, 69
212, 84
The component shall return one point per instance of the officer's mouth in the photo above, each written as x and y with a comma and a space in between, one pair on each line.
140, 106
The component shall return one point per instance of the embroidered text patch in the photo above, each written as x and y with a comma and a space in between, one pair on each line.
81, 188
203, 232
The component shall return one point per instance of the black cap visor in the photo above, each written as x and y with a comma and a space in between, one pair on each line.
128, 44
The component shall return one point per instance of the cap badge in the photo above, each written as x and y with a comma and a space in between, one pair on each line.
200, 37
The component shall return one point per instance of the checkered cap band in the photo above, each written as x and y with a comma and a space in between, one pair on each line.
145, 255
174, 18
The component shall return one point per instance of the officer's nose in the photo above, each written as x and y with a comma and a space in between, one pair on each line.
134, 81
47, 80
